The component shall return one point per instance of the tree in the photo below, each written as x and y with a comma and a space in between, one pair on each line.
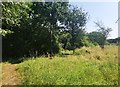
75, 23
65, 40
104, 32
13, 15
96, 37
34, 26
46, 16
38, 28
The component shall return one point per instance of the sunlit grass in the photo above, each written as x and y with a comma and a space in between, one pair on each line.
99, 67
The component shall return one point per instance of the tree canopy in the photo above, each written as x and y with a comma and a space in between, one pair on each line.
31, 29
103, 33
75, 23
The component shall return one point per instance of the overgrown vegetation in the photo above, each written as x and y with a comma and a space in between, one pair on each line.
36, 27
32, 29
86, 67
54, 48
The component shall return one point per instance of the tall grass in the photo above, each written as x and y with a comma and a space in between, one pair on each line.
99, 67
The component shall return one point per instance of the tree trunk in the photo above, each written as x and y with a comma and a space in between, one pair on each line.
102, 46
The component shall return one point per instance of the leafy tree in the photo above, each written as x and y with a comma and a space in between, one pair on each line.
46, 20
38, 28
35, 28
75, 21
65, 39
87, 42
104, 33
80, 38
95, 37
13, 14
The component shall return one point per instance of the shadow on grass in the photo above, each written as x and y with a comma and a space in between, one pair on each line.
13, 60
21, 59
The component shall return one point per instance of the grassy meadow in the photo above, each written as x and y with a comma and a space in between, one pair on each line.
35, 36
97, 66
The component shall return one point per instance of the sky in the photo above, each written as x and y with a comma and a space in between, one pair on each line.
107, 12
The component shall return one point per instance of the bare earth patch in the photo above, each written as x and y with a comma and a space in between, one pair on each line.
10, 76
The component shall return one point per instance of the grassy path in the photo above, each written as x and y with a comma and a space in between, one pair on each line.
10, 76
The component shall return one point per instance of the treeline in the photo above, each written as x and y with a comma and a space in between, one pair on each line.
42, 28
114, 41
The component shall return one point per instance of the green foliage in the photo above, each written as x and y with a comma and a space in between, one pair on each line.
70, 73
35, 28
44, 21
114, 41
96, 37
40, 27
65, 40
13, 12
75, 22
103, 32
13, 15
86, 42
4, 32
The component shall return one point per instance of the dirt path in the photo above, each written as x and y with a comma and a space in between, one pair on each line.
10, 76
